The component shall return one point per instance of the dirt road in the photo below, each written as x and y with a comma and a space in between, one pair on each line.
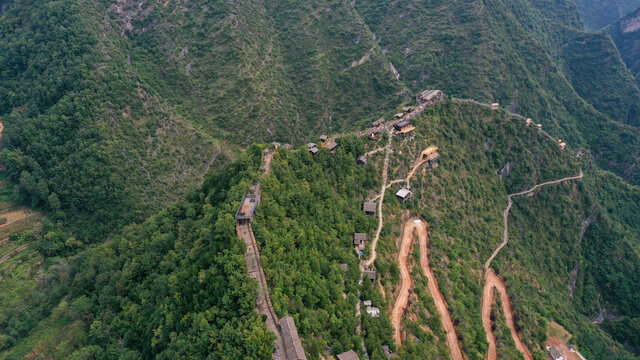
402, 300
494, 281
422, 228
505, 214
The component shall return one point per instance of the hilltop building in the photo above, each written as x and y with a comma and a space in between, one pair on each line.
313, 148
528, 122
495, 106
331, 146
430, 97
555, 353
359, 240
369, 273
248, 208
373, 311
403, 194
399, 115
431, 156
349, 355
404, 127
562, 144
323, 138
378, 123
369, 207
361, 160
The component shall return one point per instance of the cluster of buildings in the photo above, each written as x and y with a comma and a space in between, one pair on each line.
326, 143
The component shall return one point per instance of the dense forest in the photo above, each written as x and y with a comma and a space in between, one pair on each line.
133, 129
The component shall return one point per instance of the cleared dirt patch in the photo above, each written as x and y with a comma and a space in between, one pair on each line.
13, 216
558, 336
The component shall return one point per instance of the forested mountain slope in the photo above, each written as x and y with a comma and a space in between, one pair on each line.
513, 53
626, 34
599, 13
127, 105
116, 110
176, 285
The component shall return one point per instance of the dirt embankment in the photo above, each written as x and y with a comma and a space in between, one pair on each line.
402, 301
494, 281
422, 229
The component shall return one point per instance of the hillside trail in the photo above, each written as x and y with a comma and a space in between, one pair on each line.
419, 163
493, 280
267, 155
518, 116
422, 229
505, 214
383, 189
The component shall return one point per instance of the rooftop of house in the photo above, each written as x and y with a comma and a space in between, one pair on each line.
407, 129
403, 193
248, 207
555, 353
360, 236
331, 145
369, 206
401, 124
349, 355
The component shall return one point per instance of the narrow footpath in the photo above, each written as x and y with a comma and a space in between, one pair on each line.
493, 280
505, 214
383, 189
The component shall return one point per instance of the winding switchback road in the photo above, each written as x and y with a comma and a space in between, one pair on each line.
493, 280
